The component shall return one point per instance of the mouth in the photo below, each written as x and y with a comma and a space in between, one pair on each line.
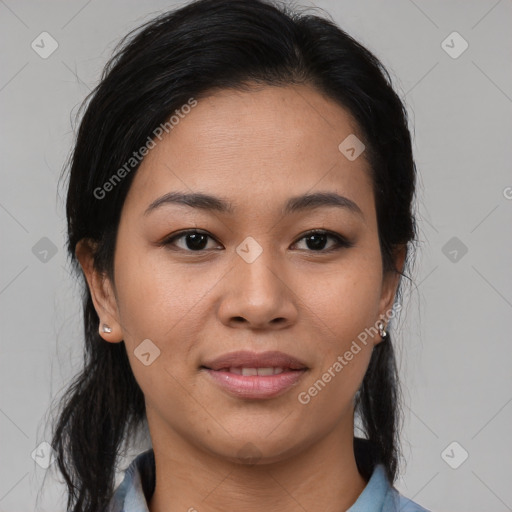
256, 376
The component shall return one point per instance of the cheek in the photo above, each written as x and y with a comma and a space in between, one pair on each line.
155, 296
159, 303
345, 301
344, 308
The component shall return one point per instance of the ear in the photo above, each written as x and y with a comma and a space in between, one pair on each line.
390, 284
102, 292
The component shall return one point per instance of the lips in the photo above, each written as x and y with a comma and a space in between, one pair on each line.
245, 362
255, 376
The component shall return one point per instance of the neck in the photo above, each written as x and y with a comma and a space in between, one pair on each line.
323, 477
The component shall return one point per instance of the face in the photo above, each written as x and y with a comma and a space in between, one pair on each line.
194, 283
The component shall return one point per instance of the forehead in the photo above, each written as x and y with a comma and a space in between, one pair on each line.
255, 147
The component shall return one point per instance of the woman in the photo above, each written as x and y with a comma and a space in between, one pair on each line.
240, 206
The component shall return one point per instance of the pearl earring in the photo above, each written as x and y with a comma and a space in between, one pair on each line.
382, 331
106, 328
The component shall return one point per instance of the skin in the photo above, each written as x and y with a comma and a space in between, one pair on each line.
256, 149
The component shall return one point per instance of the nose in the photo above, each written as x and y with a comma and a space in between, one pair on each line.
258, 295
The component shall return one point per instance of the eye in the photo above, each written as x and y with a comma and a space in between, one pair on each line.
194, 240
317, 239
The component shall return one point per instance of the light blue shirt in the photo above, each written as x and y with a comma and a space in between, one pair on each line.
138, 485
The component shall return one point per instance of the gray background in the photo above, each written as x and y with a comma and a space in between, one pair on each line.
454, 346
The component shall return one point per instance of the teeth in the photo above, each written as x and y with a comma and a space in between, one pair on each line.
265, 371
256, 371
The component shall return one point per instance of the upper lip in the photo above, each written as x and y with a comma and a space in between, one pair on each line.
246, 359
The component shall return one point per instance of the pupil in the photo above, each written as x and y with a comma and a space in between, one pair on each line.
317, 244
196, 243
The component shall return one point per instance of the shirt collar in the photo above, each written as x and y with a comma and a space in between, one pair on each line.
138, 485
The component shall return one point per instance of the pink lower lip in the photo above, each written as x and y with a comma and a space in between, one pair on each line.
254, 386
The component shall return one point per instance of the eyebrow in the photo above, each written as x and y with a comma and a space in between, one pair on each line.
208, 202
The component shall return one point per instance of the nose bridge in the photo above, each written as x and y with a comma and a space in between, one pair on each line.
257, 291
258, 267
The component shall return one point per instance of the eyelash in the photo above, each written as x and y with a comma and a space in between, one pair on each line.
341, 242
